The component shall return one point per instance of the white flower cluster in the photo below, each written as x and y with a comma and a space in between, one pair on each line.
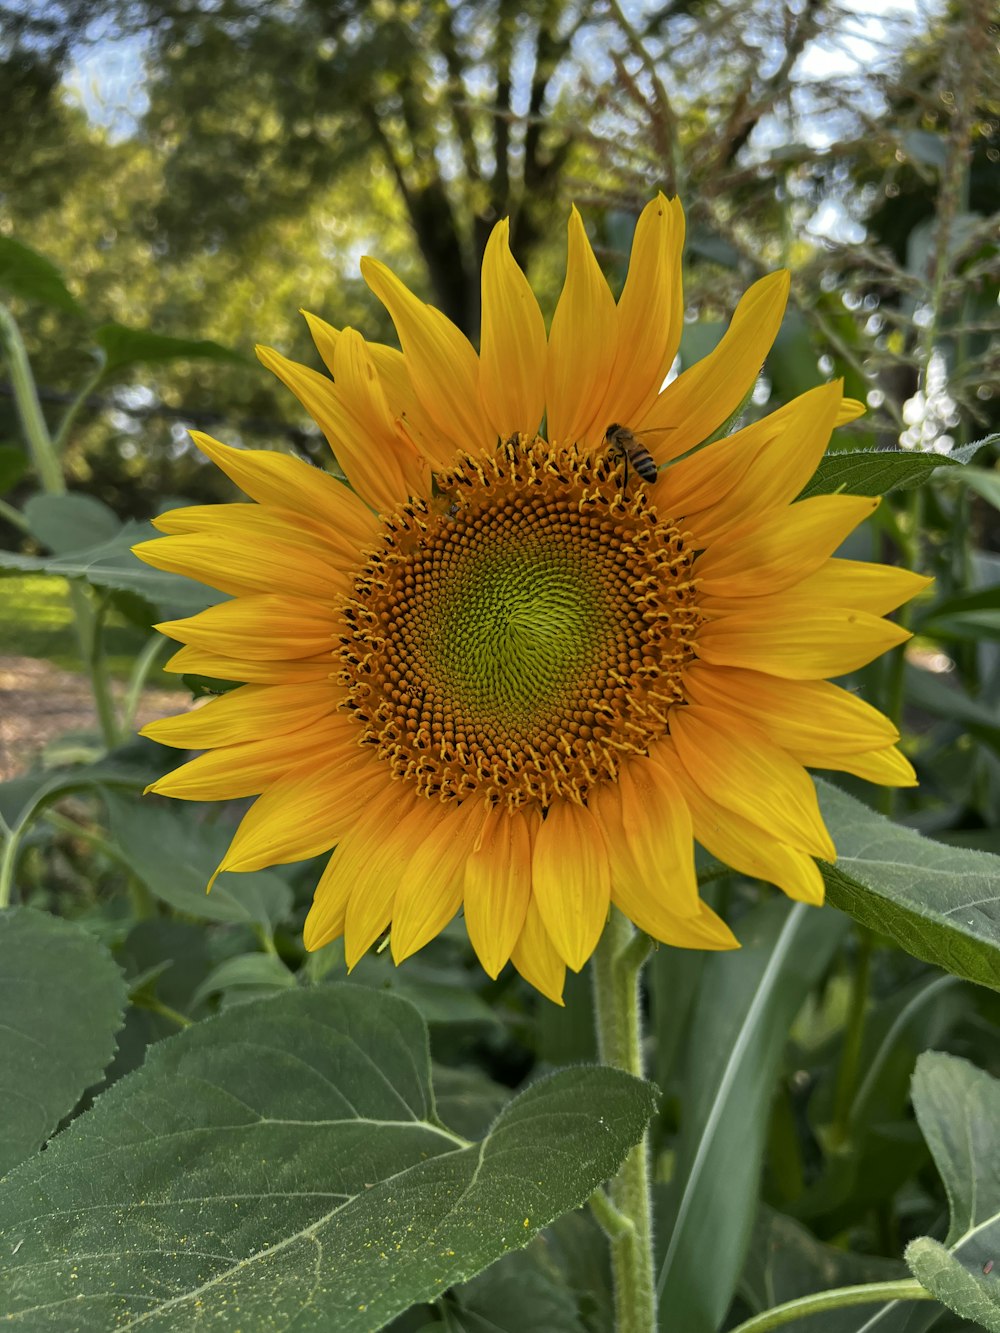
930, 412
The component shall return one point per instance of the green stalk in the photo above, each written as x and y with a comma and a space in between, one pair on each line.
50, 474
36, 432
837, 1298
144, 664
626, 1211
13, 516
850, 1059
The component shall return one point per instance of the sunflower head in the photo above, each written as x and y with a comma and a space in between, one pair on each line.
545, 638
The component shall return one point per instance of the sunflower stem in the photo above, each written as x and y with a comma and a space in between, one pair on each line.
617, 964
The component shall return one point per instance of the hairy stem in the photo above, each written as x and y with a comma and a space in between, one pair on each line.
617, 965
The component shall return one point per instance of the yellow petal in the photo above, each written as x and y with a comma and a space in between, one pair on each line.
304, 813
654, 846
806, 715
850, 409
193, 661
736, 765
583, 343
248, 769
325, 918
239, 564
700, 400
383, 475
571, 880
432, 883
260, 628
796, 641
354, 894
395, 380
377, 435
252, 712
512, 353
857, 583
497, 887
536, 957
288, 483
771, 551
888, 767
262, 524
442, 363
761, 467
650, 314
375, 853
656, 900
739, 843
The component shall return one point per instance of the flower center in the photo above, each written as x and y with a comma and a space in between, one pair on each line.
516, 637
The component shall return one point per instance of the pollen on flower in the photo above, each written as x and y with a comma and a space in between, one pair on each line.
515, 642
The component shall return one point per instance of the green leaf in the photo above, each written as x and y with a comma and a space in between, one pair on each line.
467, 1100
111, 564
26, 273
941, 904
22, 798
874, 471
70, 522
520, 1294
175, 854
128, 347
737, 1034
13, 466
249, 976
984, 482
786, 1262
62, 1000
282, 1166
958, 1110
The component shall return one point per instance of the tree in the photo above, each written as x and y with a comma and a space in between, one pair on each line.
260, 106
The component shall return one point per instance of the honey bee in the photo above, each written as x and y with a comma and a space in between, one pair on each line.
626, 449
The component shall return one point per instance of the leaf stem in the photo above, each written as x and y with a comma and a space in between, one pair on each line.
617, 964
144, 664
13, 516
837, 1298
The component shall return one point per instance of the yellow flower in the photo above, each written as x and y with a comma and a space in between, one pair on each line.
502, 672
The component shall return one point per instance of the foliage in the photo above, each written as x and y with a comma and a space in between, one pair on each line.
228, 1121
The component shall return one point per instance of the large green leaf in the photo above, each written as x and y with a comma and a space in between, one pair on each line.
26, 273
940, 903
175, 853
127, 347
737, 1033
283, 1166
958, 1109
62, 1000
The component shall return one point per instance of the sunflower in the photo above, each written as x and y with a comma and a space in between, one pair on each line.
501, 672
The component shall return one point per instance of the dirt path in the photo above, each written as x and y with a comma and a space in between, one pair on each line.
39, 703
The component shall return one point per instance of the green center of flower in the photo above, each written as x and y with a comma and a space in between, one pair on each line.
517, 638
